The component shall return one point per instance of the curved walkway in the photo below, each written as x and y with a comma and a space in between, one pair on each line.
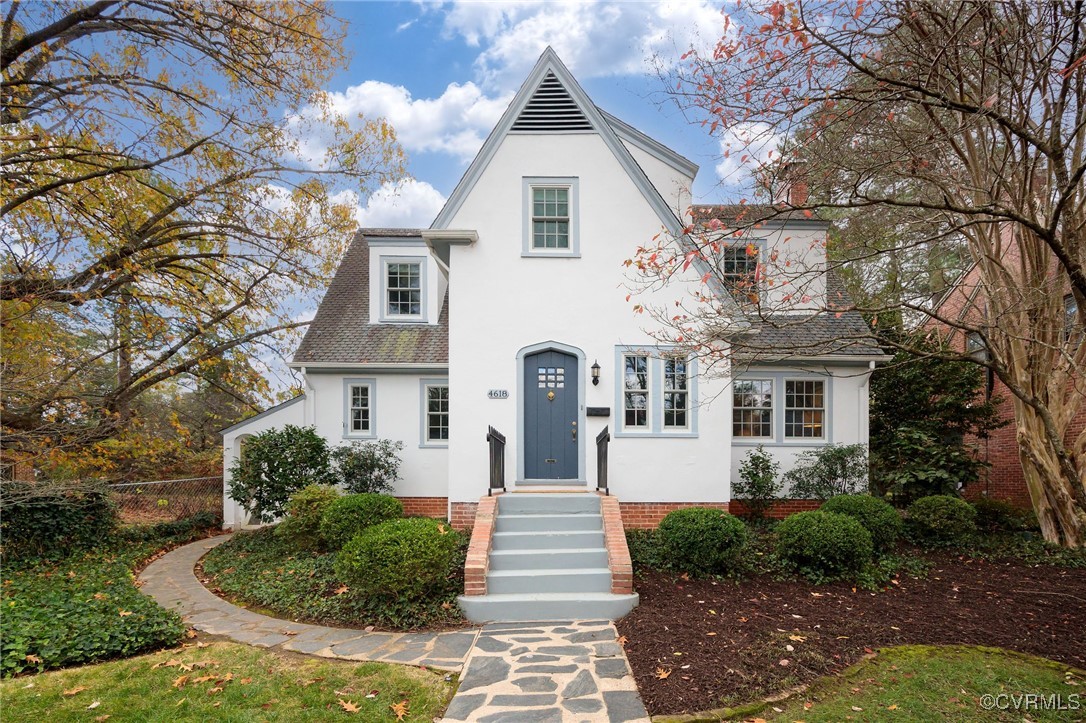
171, 582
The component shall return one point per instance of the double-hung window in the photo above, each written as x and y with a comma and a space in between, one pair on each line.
550, 218
676, 393
437, 413
359, 408
738, 267
403, 290
752, 408
635, 396
975, 346
804, 408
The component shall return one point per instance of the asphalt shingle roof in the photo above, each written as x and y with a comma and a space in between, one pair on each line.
823, 333
341, 332
749, 213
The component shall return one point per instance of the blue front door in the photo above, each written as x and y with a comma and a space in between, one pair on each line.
550, 416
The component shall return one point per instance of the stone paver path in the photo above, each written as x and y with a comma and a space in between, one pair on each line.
171, 582
536, 672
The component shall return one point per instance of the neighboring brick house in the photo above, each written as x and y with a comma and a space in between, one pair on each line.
1003, 479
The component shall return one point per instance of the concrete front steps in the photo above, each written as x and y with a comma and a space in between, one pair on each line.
548, 561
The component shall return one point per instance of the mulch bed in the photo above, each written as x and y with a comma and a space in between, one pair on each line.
724, 643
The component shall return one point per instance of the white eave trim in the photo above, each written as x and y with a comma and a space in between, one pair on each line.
650, 145
261, 415
449, 236
387, 368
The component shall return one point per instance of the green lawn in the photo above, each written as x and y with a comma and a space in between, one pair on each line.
226, 682
926, 683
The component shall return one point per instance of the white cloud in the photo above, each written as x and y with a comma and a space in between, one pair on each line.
593, 38
456, 122
407, 204
744, 148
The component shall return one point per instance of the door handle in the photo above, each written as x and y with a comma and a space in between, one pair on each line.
574, 431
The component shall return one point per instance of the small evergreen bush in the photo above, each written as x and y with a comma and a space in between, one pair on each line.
43, 519
351, 514
1001, 516
824, 545
407, 558
274, 465
877, 516
941, 520
367, 466
702, 540
759, 481
304, 510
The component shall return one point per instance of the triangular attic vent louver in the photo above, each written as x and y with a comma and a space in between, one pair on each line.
551, 109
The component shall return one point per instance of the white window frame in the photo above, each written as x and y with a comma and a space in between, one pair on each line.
785, 409
656, 356
684, 392
349, 432
627, 391
759, 257
425, 386
772, 412
386, 311
572, 185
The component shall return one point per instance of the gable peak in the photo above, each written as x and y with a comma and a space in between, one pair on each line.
551, 108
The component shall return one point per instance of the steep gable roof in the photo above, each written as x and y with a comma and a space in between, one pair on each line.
543, 86
341, 332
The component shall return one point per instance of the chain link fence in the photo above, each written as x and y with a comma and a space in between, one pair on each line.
167, 500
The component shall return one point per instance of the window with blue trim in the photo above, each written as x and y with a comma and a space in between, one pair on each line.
437, 413
636, 395
359, 408
403, 288
655, 393
804, 409
676, 393
752, 408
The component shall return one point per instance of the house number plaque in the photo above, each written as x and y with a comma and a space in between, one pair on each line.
498, 394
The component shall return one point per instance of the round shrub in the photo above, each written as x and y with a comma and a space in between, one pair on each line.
941, 520
702, 540
1001, 516
877, 516
347, 516
305, 508
824, 544
406, 559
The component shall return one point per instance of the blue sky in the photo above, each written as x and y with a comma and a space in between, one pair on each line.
443, 73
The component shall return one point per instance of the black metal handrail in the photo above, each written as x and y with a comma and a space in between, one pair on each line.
602, 440
497, 460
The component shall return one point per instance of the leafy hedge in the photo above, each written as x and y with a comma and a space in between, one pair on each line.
406, 559
351, 514
876, 515
824, 544
305, 509
262, 569
46, 520
941, 520
702, 540
86, 607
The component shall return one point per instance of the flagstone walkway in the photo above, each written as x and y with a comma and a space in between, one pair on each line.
170, 581
547, 672
512, 672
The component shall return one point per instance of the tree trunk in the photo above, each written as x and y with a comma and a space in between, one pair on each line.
1058, 506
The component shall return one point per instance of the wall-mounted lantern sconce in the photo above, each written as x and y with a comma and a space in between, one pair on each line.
595, 373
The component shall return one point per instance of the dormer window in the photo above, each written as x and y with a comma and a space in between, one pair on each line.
404, 283
739, 271
550, 217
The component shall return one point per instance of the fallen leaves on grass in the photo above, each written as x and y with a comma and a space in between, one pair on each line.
74, 691
348, 706
400, 709
341, 589
179, 683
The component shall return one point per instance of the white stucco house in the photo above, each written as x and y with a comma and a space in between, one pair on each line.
510, 312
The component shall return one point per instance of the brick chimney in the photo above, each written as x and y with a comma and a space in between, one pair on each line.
791, 187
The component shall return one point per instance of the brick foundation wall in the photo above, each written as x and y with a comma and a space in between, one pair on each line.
425, 506
618, 553
478, 559
780, 509
463, 514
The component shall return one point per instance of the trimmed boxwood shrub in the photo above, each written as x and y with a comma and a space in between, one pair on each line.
941, 520
405, 559
41, 519
1001, 516
877, 516
305, 509
702, 540
351, 514
824, 544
